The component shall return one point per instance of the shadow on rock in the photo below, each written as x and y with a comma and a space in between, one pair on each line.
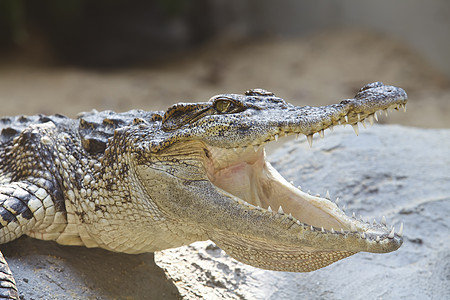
47, 270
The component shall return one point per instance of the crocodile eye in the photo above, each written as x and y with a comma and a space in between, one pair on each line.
223, 105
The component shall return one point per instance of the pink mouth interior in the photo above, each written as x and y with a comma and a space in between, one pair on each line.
247, 175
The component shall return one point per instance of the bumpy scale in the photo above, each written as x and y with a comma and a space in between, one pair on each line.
145, 181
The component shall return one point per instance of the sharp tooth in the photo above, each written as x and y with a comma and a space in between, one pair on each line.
321, 134
312, 228
370, 117
383, 220
386, 112
343, 208
298, 222
297, 135
332, 230
374, 222
359, 117
339, 122
363, 235
400, 232
290, 215
256, 147
378, 239
280, 210
269, 208
276, 137
361, 218
363, 123
317, 195
346, 118
342, 231
291, 182
353, 227
375, 116
337, 201
310, 139
299, 187
391, 235
331, 128
355, 128
404, 107
323, 230
327, 196
354, 215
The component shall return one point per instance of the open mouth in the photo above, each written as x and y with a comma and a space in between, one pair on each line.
245, 173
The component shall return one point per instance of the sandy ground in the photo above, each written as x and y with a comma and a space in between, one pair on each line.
318, 70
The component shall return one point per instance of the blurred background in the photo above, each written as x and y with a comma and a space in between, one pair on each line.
76, 55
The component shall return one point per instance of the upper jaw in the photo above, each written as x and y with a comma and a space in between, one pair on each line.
271, 121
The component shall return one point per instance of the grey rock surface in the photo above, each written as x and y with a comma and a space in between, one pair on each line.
399, 172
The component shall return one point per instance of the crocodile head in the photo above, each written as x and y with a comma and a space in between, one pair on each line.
207, 170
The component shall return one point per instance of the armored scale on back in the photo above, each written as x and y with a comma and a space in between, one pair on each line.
141, 181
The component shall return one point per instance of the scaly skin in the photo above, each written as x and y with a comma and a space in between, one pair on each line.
145, 181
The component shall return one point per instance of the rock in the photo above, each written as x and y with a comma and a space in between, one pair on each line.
399, 172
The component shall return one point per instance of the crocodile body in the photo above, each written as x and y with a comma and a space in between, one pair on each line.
145, 181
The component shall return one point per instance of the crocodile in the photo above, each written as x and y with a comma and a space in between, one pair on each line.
142, 181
